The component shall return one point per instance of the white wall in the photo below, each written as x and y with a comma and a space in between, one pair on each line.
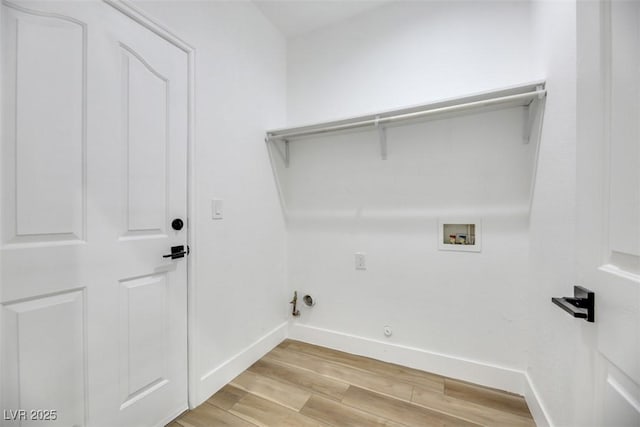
407, 53
240, 92
342, 198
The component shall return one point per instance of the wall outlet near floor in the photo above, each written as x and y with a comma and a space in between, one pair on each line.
361, 261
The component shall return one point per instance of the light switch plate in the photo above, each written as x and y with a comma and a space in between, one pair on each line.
216, 209
361, 261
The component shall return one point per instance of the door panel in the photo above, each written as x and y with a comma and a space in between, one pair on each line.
146, 118
619, 334
620, 404
50, 90
144, 336
152, 290
47, 73
624, 173
609, 190
52, 325
94, 168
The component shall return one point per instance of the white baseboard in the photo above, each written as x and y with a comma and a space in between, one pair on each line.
488, 375
215, 379
539, 413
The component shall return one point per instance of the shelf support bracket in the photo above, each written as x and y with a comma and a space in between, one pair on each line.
284, 155
532, 110
382, 134
287, 155
532, 115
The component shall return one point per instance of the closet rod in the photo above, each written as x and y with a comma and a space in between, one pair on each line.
539, 93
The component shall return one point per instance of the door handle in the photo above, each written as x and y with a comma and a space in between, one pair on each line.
177, 252
177, 224
582, 305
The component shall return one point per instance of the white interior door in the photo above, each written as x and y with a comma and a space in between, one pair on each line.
609, 200
94, 171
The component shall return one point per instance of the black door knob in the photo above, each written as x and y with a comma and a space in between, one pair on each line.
177, 224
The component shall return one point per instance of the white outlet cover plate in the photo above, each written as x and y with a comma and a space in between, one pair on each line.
361, 261
216, 209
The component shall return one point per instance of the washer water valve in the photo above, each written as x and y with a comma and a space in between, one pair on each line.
294, 310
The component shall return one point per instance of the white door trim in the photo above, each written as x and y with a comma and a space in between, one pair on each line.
136, 14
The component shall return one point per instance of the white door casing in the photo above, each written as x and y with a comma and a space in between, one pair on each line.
609, 200
94, 169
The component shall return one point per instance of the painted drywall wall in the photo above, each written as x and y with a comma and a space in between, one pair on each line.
341, 198
407, 53
240, 275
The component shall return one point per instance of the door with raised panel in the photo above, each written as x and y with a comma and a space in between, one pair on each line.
93, 172
609, 200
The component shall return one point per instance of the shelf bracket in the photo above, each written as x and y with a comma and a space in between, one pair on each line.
382, 134
284, 155
532, 115
287, 155
532, 109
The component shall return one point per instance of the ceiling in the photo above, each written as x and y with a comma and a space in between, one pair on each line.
296, 17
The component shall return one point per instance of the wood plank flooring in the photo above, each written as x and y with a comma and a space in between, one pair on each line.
299, 384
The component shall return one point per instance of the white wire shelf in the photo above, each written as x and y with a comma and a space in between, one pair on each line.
526, 95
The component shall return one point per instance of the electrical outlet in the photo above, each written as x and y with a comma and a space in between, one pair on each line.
216, 209
361, 261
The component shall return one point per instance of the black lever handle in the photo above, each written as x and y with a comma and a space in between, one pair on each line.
581, 305
177, 252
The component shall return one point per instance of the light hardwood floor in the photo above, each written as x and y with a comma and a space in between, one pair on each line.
299, 385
